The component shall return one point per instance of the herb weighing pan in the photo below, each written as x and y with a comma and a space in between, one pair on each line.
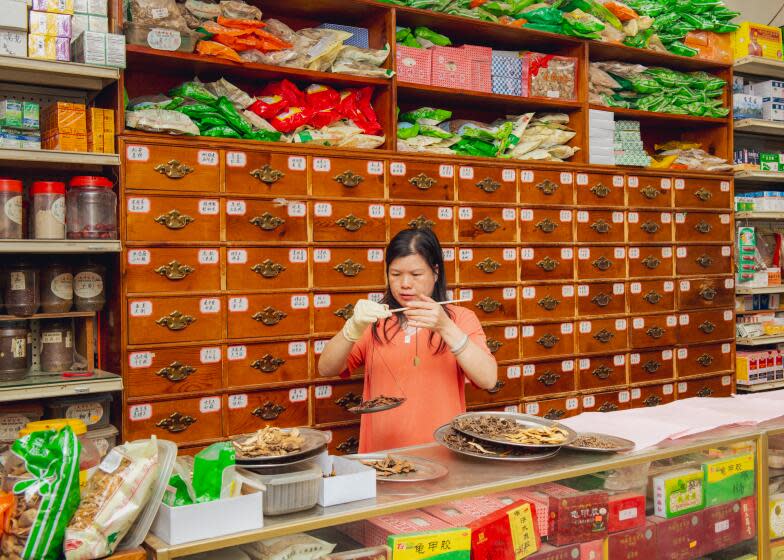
514, 454
380, 408
621, 444
425, 469
314, 440
525, 421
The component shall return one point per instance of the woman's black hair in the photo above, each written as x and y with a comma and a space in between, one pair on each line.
424, 243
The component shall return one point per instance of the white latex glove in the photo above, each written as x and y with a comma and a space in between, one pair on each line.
366, 313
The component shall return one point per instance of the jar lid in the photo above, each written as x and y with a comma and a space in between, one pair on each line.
48, 187
78, 426
10, 185
90, 181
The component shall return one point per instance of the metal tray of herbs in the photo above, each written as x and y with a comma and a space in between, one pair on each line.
490, 426
601, 443
423, 469
378, 404
462, 444
284, 461
312, 440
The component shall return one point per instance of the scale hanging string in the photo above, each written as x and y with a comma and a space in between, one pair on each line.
389, 369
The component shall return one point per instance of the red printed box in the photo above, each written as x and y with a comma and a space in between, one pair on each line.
451, 68
548, 552
414, 65
626, 511
462, 512
377, 530
679, 538
726, 525
541, 501
508, 534
481, 67
635, 544
748, 519
593, 550
581, 517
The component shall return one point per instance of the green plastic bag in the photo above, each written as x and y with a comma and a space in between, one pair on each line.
402, 33
544, 27
221, 132
194, 91
228, 112
406, 130
474, 147
679, 48
434, 131
544, 16
212, 475
432, 36
426, 115
263, 136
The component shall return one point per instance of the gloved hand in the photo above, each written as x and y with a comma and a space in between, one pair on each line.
366, 313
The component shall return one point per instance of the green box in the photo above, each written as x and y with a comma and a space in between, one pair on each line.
678, 493
728, 479
10, 113
770, 157
31, 115
445, 544
771, 166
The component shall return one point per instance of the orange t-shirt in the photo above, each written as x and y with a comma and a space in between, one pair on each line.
434, 390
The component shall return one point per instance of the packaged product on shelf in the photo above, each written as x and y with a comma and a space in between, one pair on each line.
11, 209
728, 524
14, 355
55, 6
48, 47
21, 294
108, 131
508, 534
57, 346
549, 76
451, 68
362, 62
678, 493
756, 39
549, 552
95, 133
728, 479
639, 542
626, 511
65, 118
460, 513
115, 50
374, 553
160, 120
15, 416
773, 109
576, 517
359, 35
375, 531
745, 106
56, 288
13, 43
446, 544
686, 155
56, 25
679, 537
31, 115
299, 545
157, 13
11, 113
14, 15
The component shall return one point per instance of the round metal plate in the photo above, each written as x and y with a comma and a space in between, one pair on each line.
513, 454
297, 460
524, 421
382, 408
621, 444
425, 469
313, 439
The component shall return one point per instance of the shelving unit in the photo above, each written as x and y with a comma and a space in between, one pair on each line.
759, 215
759, 126
58, 246
753, 178
741, 291
56, 74
55, 158
760, 341
760, 67
44, 386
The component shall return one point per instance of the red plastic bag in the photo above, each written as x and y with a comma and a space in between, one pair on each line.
291, 119
324, 118
288, 91
356, 106
321, 98
269, 106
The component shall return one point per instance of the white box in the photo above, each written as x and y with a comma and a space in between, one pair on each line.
600, 151
601, 126
352, 482
602, 160
98, 7
597, 115
178, 525
768, 88
13, 15
79, 23
99, 24
13, 43
773, 109
81, 7
115, 50
90, 48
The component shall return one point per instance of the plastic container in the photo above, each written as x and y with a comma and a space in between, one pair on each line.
57, 347
13, 355
11, 209
288, 490
21, 289
160, 39
91, 208
89, 457
48, 210
57, 288
105, 439
14, 417
93, 410
374, 553
89, 287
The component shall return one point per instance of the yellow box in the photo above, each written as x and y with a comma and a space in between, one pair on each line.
755, 39
108, 131
95, 135
65, 142
777, 550
64, 118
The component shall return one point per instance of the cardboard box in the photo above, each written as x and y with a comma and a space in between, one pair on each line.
548, 552
579, 517
679, 538
746, 106
768, 88
13, 43
90, 48
460, 513
30, 140
722, 527
728, 479
635, 544
773, 109
115, 50
108, 131
99, 24
64, 142
377, 530
11, 113
755, 39
54, 6
95, 130
49, 48
678, 493
64, 118
414, 65
352, 482
508, 534
10, 138
507, 64
31, 115
98, 7
539, 499
55, 25
13, 15
507, 86
593, 550
625, 511
481, 67
447, 544
451, 68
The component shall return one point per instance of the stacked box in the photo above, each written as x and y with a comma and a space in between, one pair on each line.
593, 550
771, 161
540, 500
481, 59
601, 132
108, 131
768, 88
13, 28
19, 124
451, 68
447, 544
628, 145
679, 538
359, 35
50, 24
635, 544
50, 30
507, 73
773, 108
746, 106
414, 65
102, 49
462, 512
678, 493
508, 534
625, 511
755, 39
64, 127
728, 524
49, 48
377, 530
577, 517
548, 552
95, 129
90, 15
728, 479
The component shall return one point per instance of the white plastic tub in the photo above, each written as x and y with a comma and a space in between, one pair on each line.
294, 489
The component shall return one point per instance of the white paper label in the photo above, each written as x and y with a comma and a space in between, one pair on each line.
508, 214
509, 293
237, 256
683, 353
620, 359
617, 217
376, 210
140, 308
633, 182
683, 319
619, 252
449, 254
681, 252
322, 165
397, 168
532, 408
207, 157
567, 328
466, 255
669, 286
236, 207
672, 320
322, 391
299, 394
636, 393
322, 255
510, 333
238, 304
508, 175
728, 315
583, 216
446, 171
685, 285
567, 253
634, 359
298, 255
620, 324
528, 331
236, 353
583, 253
137, 153
634, 217
236, 159
138, 256
725, 186
466, 172
583, 290
725, 348
375, 167
322, 209
513, 372
208, 256
526, 215
319, 345
667, 389
680, 184
138, 205
321, 301
298, 348
138, 360
567, 291
397, 212
208, 207
299, 302
444, 213
298, 163
209, 305
585, 327
139, 412
209, 404
582, 179
589, 401
617, 181
567, 178
724, 219
624, 397
638, 322
526, 254
726, 251
619, 288
666, 355
296, 209
680, 218
465, 213
237, 402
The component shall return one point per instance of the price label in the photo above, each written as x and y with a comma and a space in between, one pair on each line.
567, 291
138, 205
236, 159
509, 293
297, 163
235, 353
446, 171
567, 178
585, 327
322, 165
449, 254
139, 412
510, 333
319, 345
526, 254
397, 212
238, 304
208, 207
138, 256
513, 372
299, 302
237, 256
322, 255
322, 209
238, 401
210, 355
617, 217
567, 328
466, 255
619, 359
299, 394
508, 214
137, 360
445, 213
298, 348
298, 255
397, 168
376, 210
566, 215
137, 153
589, 401
209, 305
321, 301
236, 207
465, 213
209, 404
375, 167
619, 288
140, 308
527, 176
526, 215
508, 175
466, 172
322, 391
208, 256
207, 157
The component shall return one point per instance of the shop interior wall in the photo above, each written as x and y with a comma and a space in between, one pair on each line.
760, 11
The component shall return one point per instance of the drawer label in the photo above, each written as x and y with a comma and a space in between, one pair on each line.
466, 172
725, 348
680, 184
449, 254
322, 209
666, 218
299, 302
724, 219
666, 355
236, 207
467, 294
237, 402
208, 256
526, 215
666, 183
567, 365
510, 293
529, 370
138, 360
445, 213
209, 404
620, 359
508, 175
669, 286
446, 171
619, 288
582, 179
566, 215
728, 315
726, 251
666, 252
508, 254
667, 389
638, 322
320, 164
585, 363
635, 287
378, 296
137, 153
296, 209
298, 348
617, 180
528, 331
527, 176
589, 401
634, 217
236, 353
375, 255
508, 214
237, 256
526, 254
567, 253
582, 216
567, 328
322, 391
725, 186
680, 218
139, 412
299, 394
567, 178
238, 304
513, 372
683, 353
138, 205
634, 252
567, 291
465, 213
322, 255
511, 408
634, 359
397, 168
585, 327
532, 408
236, 159
685, 285
683, 387
298, 255
726, 380
617, 217
138, 256
397, 212
207, 157
210, 355
672, 320
375, 167
633, 182
466, 255
297, 163
529, 292
583, 290
623, 396
510, 333
583, 253
684, 319
620, 325
619, 252
376, 210
208, 207
636, 394
209, 305
140, 308
320, 301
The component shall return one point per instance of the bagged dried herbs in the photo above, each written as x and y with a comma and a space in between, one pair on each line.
158, 13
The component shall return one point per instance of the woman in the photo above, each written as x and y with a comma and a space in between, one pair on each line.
423, 353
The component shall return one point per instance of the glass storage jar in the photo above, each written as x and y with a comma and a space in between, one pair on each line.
57, 345
21, 289
11, 209
13, 350
57, 293
91, 208
48, 210
89, 289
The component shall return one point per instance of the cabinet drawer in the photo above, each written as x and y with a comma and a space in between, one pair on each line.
348, 177
546, 225
609, 401
604, 298
175, 319
654, 330
172, 270
331, 311
704, 358
553, 409
332, 401
601, 262
600, 226
345, 268
181, 421
266, 220
645, 262
702, 193
651, 296
700, 260
491, 304
344, 440
479, 183
171, 168
651, 365
547, 301
258, 364
507, 388
172, 219
602, 335
438, 219
650, 227
547, 187
601, 371
486, 224
167, 371
546, 263
599, 189
266, 315
548, 340
264, 173
248, 412
706, 293
503, 342
348, 221
486, 264
646, 192
652, 395
414, 180
702, 226
548, 378
706, 326
266, 268
717, 386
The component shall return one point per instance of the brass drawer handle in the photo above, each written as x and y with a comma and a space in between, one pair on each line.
267, 221
650, 227
547, 187
493, 345
268, 268
173, 219
421, 222
703, 194
600, 190
497, 387
548, 264
174, 270
488, 265
549, 303
351, 223
350, 446
608, 407
554, 414
604, 336
489, 305
267, 174
548, 340
173, 169
176, 371
488, 185
349, 268
348, 179
705, 360
601, 226
651, 262
549, 378
546, 226
176, 423
652, 400
267, 363
703, 227
650, 192
708, 293
602, 372
704, 261
422, 182
349, 400
269, 316
655, 332
268, 411
705, 392
601, 299
345, 312
707, 327
602, 263
176, 321
487, 225
653, 297
651, 366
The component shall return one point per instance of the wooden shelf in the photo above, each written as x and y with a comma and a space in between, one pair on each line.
759, 387
759, 66
766, 290
46, 385
68, 315
71, 75
759, 177
759, 126
758, 311
759, 215
55, 158
660, 118
760, 340
600, 51
58, 246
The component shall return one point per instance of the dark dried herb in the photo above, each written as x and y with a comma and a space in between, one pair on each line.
378, 402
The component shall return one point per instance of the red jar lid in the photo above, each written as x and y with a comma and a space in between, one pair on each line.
48, 187
90, 181
10, 185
